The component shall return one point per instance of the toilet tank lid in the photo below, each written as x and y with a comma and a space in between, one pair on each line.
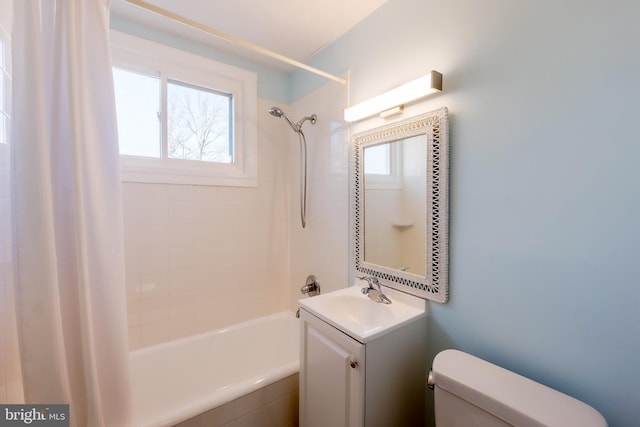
507, 395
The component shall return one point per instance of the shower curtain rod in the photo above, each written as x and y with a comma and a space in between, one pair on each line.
232, 39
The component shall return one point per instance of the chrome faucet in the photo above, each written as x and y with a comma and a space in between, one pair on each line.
373, 293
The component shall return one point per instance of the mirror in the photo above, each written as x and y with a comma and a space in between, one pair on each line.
400, 204
394, 204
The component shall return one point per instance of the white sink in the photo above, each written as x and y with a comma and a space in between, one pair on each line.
361, 318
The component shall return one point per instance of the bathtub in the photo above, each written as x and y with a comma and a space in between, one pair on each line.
202, 375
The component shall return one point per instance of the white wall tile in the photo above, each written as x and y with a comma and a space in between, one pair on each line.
322, 248
181, 211
154, 333
176, 193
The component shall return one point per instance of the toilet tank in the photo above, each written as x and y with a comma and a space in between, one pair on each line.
472, 392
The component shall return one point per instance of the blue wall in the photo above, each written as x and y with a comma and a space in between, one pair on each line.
544, 98
273, 84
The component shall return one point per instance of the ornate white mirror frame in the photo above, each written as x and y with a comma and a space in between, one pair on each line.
433, 285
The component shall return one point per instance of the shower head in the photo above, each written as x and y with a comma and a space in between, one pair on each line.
276, 112
297, 127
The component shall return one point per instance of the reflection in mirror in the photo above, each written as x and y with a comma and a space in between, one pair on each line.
400, 203
394, 204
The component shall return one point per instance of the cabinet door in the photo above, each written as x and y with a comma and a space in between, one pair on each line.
331, 376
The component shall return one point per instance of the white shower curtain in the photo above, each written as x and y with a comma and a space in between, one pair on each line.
68, 255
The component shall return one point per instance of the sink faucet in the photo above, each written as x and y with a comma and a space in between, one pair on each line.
373, 293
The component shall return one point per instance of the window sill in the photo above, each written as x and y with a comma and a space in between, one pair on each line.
228, 175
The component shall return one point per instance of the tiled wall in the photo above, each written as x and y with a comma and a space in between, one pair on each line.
275, 405
322, 248
204, 257
413, 202
383, 244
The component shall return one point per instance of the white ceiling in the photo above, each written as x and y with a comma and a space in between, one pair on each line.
293, 28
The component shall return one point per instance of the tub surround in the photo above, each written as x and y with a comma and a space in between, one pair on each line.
187, 249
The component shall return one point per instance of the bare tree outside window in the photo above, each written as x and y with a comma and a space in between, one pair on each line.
199, 124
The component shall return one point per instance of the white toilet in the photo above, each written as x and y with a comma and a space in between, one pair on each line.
472, 392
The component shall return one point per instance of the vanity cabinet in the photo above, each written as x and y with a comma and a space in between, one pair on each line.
332, 377
348, 383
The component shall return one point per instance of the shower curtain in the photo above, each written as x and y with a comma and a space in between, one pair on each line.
68, 256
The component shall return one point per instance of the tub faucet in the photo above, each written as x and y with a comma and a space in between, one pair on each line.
373, 293
311, 287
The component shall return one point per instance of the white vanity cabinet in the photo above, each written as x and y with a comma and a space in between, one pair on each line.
332, 381
349, 380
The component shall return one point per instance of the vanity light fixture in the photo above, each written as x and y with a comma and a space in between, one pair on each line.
408, 92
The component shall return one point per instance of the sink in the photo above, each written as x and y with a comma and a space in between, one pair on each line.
358, 309
361, 318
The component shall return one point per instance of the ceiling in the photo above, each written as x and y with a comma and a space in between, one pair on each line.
293, 28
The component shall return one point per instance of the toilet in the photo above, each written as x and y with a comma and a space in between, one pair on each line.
473, 392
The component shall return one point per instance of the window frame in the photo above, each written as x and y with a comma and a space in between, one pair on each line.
392, 180
167, 63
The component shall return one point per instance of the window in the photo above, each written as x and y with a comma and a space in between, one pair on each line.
183, 118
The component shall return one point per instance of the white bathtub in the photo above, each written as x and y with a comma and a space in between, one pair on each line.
181, 379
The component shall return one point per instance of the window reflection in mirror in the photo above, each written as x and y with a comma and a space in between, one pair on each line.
378, 160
